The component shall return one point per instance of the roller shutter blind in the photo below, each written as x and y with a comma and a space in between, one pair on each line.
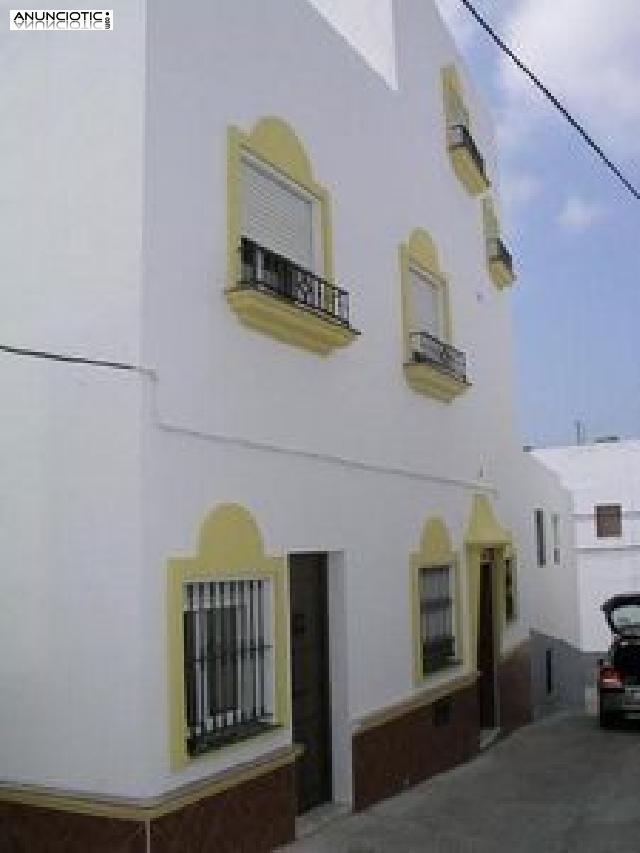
426, 309
275, 216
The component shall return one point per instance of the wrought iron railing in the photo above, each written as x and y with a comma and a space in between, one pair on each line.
266, 270
458, 136
227, 662
425, 349
497, 251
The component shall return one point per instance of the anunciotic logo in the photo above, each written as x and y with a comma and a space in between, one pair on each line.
61, 19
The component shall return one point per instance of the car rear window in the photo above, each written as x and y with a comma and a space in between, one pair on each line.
626, 619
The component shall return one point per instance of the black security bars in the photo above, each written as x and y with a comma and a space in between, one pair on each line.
266, 270
226, 659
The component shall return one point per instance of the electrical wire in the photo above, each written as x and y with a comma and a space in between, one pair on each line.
551, 97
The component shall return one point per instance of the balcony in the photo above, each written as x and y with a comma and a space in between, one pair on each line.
500, 262
294, 305
468, 163
436, 368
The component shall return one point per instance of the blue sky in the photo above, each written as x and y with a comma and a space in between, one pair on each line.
573, 229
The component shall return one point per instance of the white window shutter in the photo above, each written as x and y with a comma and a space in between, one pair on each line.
426, 308
275, 216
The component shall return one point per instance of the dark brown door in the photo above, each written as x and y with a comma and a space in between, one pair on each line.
310, 678
486, 650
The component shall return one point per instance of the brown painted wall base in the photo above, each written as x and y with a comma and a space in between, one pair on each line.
252, 817
514, 677
256, 816
412, 747
29, 829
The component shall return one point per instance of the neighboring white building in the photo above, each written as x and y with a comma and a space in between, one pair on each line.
603, 481
263, 484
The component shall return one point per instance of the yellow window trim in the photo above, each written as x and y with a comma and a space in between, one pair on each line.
229, 546
499, 272
274, 143
474, 180
420, 253
434, 551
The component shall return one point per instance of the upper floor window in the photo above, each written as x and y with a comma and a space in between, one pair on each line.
465, 156
499, 260
541, 546
280, 248
555, 530
608, 521
432, 364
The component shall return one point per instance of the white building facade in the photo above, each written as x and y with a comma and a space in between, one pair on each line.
603, 481
266, 534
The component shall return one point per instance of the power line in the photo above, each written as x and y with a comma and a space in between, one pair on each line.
557, 104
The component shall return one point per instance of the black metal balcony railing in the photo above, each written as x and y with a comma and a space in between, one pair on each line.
458, 136
497, 251
425, 349
264, 269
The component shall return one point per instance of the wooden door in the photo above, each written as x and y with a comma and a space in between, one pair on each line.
310, 678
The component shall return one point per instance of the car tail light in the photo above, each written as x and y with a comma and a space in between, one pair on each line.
609, 677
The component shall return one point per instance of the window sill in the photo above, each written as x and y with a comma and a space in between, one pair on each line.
500, 273
434, 382
231, 737
474, 179
289, 322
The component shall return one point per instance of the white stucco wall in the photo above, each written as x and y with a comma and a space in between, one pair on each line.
550, 592
70, 585
333, 454
601, 473
71, 184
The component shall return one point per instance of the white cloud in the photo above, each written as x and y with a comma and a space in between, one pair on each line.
586, 52
579, 214
518, 189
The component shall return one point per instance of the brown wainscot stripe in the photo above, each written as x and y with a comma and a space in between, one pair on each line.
413, 740
250, 808
514, 679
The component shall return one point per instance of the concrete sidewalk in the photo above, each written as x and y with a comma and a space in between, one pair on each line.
556, 786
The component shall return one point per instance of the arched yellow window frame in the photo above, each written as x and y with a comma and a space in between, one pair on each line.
499, 260
229, 547
273, 143
466, 159
444, 376
435, 551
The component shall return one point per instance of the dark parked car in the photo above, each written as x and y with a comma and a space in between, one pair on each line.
619, 673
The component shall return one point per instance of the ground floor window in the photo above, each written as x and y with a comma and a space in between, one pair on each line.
437, 618
228, 661
510, 588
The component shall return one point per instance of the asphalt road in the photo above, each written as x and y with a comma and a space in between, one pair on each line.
557, 786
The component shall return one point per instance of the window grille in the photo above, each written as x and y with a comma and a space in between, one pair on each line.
228, 665
510, 589
436, 618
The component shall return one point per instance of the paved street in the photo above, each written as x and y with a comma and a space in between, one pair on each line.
558, 785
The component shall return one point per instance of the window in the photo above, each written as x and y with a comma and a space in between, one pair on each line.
541, 547
555, 528
426, 304
277, 215
608, 521
548, 671
510, 588
279, 244
466, 159
432, 365
437, 630
499, 260
228, 678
